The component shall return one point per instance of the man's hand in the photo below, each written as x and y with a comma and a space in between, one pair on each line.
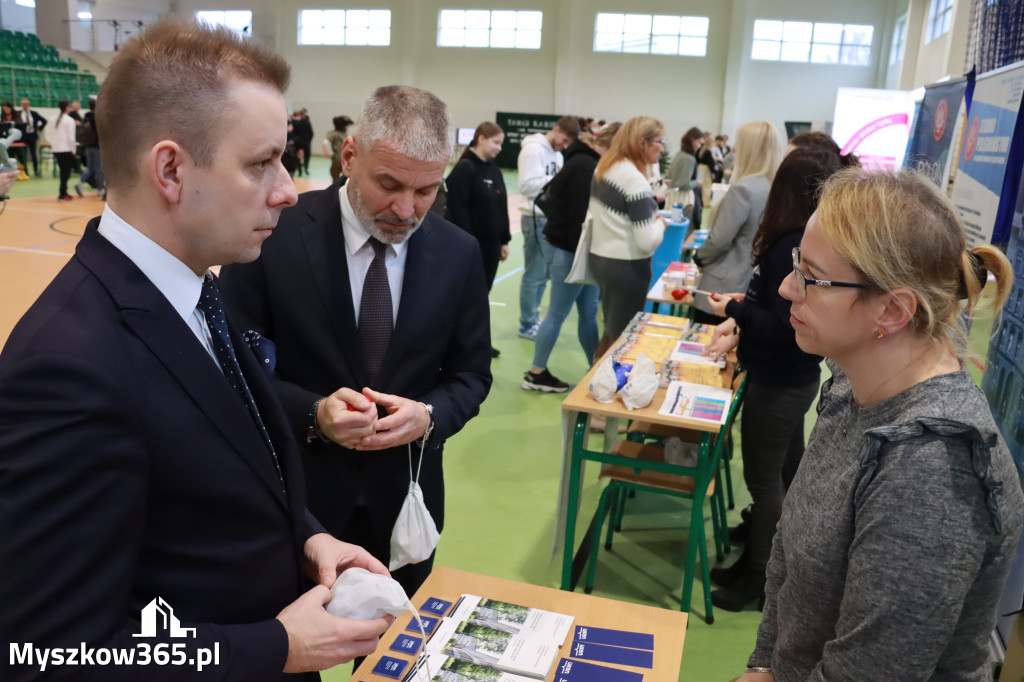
504, 252
317, 640
723, 339
407, 420
719, 301
346, 416
326, 557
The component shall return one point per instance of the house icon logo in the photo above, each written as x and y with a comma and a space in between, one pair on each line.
158, 616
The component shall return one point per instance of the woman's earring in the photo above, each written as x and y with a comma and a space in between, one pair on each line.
879, 334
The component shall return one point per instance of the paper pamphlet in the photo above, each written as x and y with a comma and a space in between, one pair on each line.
499, 649
520, 620
693, 401
446, 669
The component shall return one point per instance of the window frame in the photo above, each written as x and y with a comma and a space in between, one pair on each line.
794, 41
940, 19
349, 33
899, 41
526, 32
222, 21
653, 36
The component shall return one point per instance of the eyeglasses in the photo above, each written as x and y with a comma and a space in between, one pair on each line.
803, 280
658, 141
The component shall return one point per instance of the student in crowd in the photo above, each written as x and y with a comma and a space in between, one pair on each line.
626, 228
568, 199
682, 174
782, 380
540, 157
903, 520
64, 146
724, 258
332, 144
477, 200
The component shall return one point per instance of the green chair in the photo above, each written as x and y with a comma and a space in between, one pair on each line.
691, 483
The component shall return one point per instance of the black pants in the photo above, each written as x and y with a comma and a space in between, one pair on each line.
772, 431
66, 163
305, 149
31, 140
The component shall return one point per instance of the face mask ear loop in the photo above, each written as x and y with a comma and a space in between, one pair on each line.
419, 466
423, 647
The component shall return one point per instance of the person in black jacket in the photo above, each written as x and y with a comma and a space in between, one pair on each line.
477, 201
782, 379
303, 133
566, 208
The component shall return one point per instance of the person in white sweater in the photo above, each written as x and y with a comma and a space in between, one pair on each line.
64, 145
540, 157
626, 228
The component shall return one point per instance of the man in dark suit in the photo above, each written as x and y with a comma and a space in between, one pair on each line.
312, 292
32, 124
145, 463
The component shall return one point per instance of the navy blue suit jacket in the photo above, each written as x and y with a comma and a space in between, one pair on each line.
129, 469
298, 294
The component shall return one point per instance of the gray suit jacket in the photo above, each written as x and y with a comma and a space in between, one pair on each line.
725, 256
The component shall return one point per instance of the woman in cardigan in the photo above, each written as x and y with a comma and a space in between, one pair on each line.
903, 519
724, 258
566, 209
682, 173
626, 228
477, 201
782, 380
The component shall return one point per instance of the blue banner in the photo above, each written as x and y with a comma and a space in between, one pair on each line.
932, 136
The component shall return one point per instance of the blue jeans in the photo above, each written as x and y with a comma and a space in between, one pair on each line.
535, 272
93, 168
563, 295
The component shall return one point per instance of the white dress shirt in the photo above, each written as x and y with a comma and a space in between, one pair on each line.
175, 280
359, 255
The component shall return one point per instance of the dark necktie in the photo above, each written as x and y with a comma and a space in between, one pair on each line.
212, 309
376, 319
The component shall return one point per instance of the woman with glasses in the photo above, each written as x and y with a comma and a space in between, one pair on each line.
782, 380
903, 518
626, 228
724, 258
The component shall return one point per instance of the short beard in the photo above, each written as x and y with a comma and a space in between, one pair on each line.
369, 222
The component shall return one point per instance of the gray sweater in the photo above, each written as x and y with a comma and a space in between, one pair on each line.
895, 540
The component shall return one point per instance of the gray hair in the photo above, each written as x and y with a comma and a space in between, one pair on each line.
414, 121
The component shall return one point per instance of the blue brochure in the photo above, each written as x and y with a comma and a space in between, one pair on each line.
428, 625
390, 667
406, 644
578, 671
632, 640
435, 606
612, 654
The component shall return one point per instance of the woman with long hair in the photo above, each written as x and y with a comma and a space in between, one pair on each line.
902, 522
782, 380
332, 144
682, 173
64, 145
626, 228
477, 201
724, 258
566, 209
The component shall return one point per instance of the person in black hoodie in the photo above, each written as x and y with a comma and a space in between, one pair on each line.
477, 201
782, 380
568, 195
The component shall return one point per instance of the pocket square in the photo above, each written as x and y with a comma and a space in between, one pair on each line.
264, 350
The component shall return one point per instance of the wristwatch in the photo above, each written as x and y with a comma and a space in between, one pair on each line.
313, 431
430, 420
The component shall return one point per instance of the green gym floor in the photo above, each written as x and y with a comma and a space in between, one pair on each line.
502, 475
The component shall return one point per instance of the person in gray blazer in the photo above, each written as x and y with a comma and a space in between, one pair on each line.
724, 259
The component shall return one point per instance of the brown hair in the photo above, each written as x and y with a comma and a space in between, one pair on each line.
629, 143
606, 134
171, 82
687, 143
487, 130
896, 229
570, 125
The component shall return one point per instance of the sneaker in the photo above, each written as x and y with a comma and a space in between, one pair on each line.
545, 381
529, 333
78, 189
67, 197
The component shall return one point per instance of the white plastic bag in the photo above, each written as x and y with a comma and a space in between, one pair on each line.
358, 594
604, 384
415, 535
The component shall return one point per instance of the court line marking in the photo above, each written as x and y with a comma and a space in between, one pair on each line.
20, 249
509, 274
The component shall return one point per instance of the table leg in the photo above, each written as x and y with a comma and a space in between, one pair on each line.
696, 521
572, 504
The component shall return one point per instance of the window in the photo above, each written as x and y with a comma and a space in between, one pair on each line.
899, 37
25, 3
345, 27
940, 13
651, 34
487, 28
803, 41
239, 20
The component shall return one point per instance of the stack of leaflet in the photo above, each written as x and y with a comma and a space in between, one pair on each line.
492, 634
687, 361
649, 334
444, 668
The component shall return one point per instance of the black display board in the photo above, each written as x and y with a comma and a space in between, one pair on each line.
516, 127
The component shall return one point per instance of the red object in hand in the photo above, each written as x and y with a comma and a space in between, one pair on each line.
351, 407
679, 294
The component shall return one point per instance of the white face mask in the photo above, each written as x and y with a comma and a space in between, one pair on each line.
415, 535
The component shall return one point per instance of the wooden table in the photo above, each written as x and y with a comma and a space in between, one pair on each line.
668, 627
575, 410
